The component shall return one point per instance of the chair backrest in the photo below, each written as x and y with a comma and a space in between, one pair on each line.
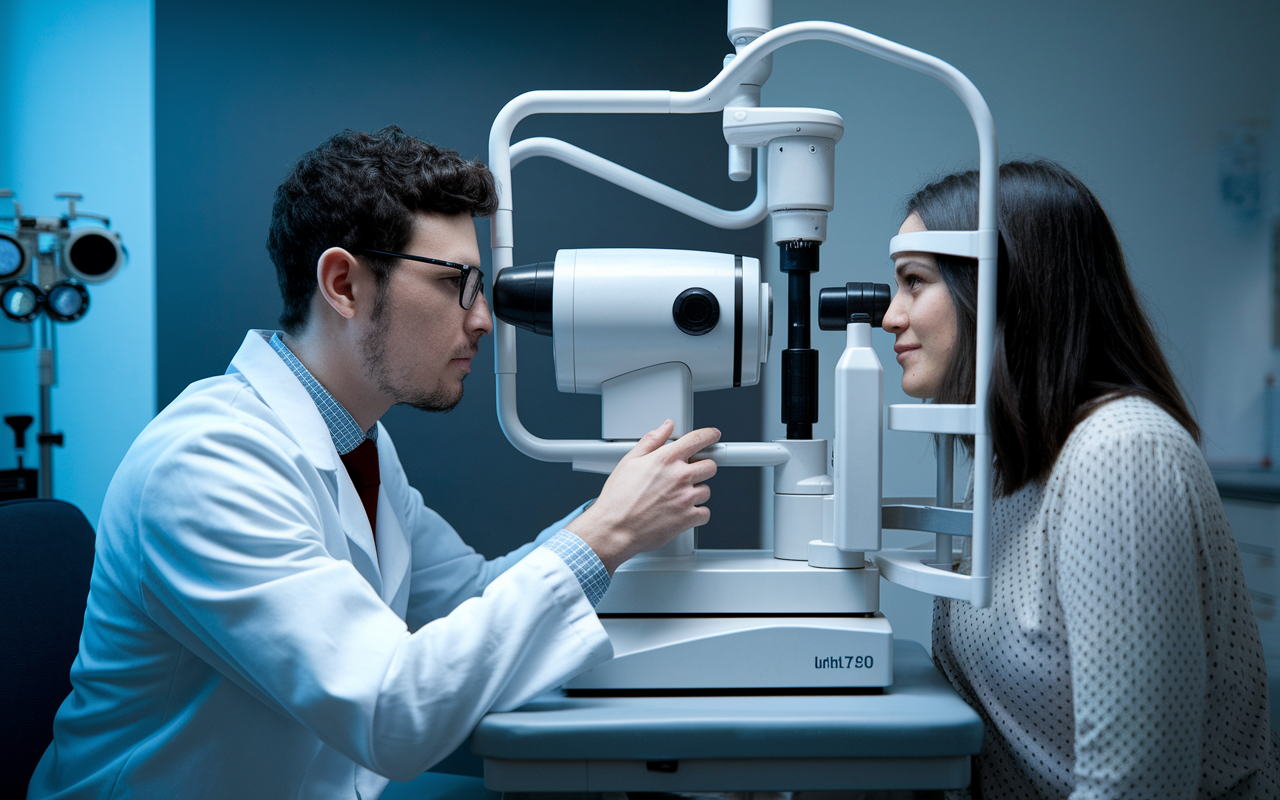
46, 558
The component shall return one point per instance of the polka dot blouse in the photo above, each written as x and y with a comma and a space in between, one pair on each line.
1119, 656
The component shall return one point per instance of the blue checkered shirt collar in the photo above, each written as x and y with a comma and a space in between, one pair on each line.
343, 428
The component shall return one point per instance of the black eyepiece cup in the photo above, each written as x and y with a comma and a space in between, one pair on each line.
522, 296
837, 306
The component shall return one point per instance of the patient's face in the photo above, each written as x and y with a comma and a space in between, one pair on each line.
923, 318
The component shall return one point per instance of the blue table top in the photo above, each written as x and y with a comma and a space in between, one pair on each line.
919, 716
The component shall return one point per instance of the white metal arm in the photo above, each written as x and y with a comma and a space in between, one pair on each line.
594, 455
644, 186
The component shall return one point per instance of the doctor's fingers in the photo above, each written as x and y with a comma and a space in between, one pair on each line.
699, 494
699, 471
698, 516
682, 449
651, 441
687, 502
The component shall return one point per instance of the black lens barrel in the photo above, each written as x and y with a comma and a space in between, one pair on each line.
522, 296
836, 305
798, 260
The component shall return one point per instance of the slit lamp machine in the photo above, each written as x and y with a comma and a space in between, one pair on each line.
646, 329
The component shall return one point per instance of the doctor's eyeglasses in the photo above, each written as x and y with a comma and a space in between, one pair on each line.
469, 284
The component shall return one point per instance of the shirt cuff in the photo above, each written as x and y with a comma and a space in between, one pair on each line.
583, 562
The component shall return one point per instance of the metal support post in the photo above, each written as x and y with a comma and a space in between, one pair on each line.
46, 365
945, 494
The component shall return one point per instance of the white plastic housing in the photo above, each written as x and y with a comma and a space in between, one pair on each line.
800, 143
612, 315
756, 127
797, 519
802, 224
825, 555
933, 418
801, 497
805, 472
802, 173
748, 20
859, 390
739, 163
631, 405
736, 582
743, 653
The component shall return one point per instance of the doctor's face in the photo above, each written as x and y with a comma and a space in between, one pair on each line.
420, 341
923, 318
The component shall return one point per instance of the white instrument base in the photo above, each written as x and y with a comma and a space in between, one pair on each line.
738, 582
743, 653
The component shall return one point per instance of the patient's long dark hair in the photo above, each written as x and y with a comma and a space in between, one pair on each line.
1071, 332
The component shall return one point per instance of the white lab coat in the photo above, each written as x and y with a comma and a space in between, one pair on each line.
245, 639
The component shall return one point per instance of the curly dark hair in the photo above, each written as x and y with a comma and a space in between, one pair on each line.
361, 190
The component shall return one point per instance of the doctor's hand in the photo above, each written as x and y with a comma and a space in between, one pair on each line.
653, 494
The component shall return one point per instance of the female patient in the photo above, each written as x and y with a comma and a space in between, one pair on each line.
1119, 656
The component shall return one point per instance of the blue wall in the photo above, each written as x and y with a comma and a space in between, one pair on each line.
76, 89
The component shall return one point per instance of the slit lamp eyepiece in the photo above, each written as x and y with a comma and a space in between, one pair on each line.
837, 305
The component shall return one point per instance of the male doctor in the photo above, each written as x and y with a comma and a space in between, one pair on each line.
273, 611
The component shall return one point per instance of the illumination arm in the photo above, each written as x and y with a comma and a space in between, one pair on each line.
645, 187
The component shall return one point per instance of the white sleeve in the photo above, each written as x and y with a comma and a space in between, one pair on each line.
231, 565
445, 571
1124, 531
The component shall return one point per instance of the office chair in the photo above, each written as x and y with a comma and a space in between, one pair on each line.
46, 557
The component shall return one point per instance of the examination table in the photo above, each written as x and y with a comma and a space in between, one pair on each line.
917, 734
